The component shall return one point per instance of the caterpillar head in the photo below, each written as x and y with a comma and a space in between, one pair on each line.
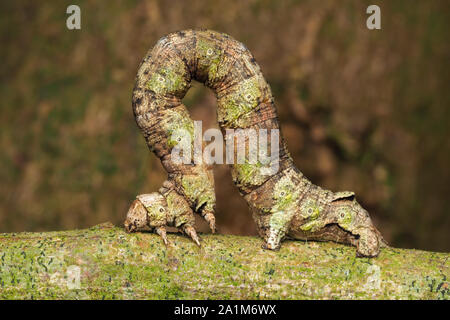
146, 212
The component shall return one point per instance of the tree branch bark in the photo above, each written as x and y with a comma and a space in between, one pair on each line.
104, 262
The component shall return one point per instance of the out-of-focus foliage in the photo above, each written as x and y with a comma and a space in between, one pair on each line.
361, 110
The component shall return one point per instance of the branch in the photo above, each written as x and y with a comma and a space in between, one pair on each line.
105, 262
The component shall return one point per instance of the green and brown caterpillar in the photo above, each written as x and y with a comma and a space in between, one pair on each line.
284, 204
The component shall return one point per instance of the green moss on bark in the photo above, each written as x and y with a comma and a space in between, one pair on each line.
116, 265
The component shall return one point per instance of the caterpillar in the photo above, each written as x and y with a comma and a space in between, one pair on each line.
284, 204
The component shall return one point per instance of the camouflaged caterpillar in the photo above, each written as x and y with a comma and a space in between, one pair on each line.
285, 204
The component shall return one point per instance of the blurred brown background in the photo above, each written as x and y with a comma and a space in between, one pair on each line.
361, 110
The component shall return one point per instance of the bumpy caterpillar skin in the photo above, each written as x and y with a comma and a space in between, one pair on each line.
284, 204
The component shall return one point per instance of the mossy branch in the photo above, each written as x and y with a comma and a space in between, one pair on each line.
112, 264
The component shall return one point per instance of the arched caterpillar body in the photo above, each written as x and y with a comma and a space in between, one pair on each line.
284, 204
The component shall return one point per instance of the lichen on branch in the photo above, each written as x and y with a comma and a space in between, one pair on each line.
114, 265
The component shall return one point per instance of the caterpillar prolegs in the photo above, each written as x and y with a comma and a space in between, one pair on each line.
284, 204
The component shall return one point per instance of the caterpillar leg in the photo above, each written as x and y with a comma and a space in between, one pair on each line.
180, 204
351, 217
163, 234
211, 220
190, 231
369, 242
273, 240
276, 226
368, 238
